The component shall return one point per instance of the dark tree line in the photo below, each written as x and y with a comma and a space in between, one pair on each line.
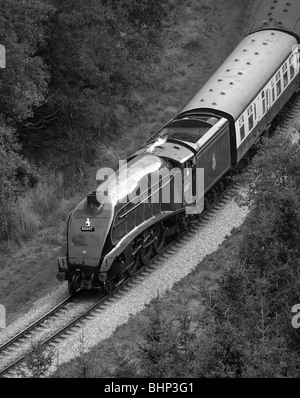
97, 53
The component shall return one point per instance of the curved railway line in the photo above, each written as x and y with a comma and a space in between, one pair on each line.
22, 338
291, 111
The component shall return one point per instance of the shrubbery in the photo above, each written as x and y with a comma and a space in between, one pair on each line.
11, 186
256, 294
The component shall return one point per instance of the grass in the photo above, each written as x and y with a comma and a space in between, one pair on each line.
28, 262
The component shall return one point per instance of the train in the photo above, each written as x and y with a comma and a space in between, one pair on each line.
128, 219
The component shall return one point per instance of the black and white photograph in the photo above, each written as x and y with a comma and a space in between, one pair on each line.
149, 192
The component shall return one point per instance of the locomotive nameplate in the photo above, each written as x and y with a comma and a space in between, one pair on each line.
88, 229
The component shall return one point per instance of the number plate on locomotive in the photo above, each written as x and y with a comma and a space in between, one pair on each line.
88, 229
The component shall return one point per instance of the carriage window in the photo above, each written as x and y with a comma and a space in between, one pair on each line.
292, 65
278, 83
242, 127
273, 90
250, 117
263, 97
255, 112
285, 75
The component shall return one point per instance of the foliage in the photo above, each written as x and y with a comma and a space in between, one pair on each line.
38, 361
271, 243
98, 52
256, 294
147, 14
275, 169
10, 162
24, 81
124, 367
23, 87
166, 347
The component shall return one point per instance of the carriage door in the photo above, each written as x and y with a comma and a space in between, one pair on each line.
265, 98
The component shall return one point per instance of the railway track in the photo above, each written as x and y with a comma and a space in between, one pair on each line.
169, 250
39, 322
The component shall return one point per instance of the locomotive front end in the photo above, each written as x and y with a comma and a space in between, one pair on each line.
87, 232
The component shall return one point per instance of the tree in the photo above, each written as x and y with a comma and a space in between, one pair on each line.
23, 86
166, 347
38, 362
97, 55
10, 186
23, 83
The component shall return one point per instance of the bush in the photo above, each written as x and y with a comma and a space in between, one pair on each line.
10, 186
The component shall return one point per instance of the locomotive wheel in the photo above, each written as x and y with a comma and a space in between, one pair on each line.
73, 286
159, 234
145, 255
146, 249
109, 286
133, 267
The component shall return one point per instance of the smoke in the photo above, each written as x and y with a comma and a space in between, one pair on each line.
157, 143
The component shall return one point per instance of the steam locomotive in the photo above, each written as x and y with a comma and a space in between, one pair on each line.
119, 227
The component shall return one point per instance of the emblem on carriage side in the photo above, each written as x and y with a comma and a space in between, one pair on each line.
88, 227
214, 162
